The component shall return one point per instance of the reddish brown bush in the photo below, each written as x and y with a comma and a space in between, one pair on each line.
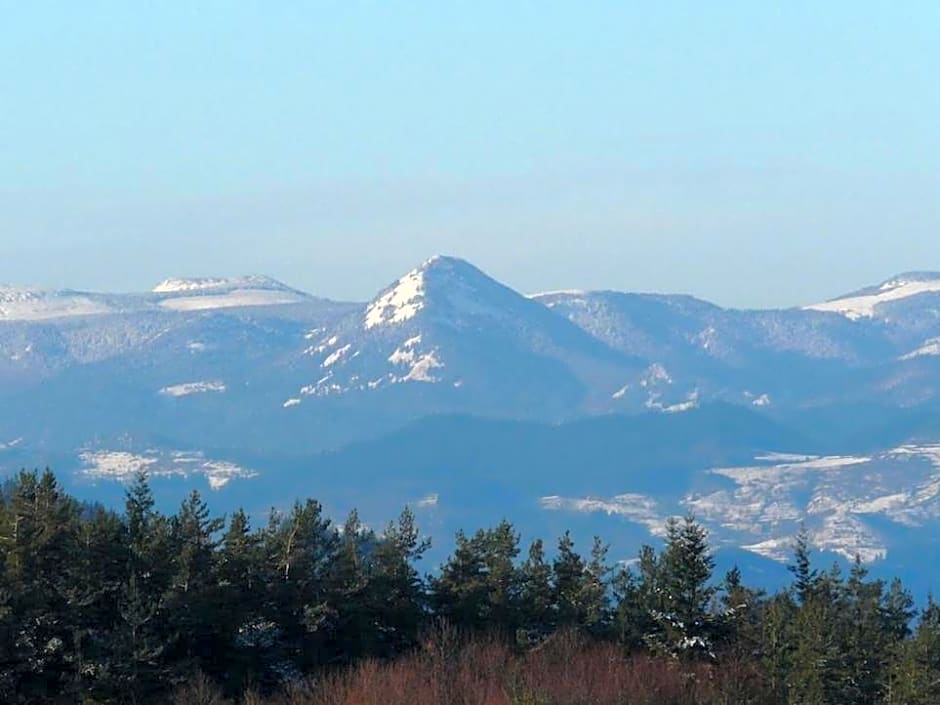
565, 670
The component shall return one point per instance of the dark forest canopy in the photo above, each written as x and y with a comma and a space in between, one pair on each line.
105, 607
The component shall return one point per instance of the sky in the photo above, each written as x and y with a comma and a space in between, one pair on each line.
750, 153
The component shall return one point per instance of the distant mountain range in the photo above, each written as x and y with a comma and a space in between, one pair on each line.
451, 391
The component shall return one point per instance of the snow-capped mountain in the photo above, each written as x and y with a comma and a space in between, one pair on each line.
445, 337
208, 293
461, 341
26, 304
917, 289
242, 382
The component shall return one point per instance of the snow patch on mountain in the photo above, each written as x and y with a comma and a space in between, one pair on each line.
762, 400
336, 356
399, 303
196, 284
930, 348
621, 393
636, 508
187, 388
207, 293
863, 304
428, 501
24, 304
172, 286
655, 375
778, 549
833, 496
421, 369
238, 298
549, 295
124, 466
324, 386
654, 402
419, 364
9, 445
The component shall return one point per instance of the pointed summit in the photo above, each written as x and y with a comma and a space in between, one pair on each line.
443, 283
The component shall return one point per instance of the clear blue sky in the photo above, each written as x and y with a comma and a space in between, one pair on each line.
752, 153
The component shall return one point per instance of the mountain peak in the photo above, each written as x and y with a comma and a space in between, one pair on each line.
440, 277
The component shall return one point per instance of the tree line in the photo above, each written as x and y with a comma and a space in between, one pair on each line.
99, 606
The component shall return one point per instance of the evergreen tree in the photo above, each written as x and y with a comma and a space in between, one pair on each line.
819, 672
777, 647
192, 598
804, 576
914, 676
348, 583
301, 548
741, 617
536, 596
569, 581
42, 526
686, 623
142, 637
640, 600
479, 586
395, 598
239, 567
102, 607
596, 600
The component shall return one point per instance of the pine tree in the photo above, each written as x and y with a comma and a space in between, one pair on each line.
460, 594
686, 622
96, 574
502, 578
348, 584
914, 675
42, 526
240, 589
777, 643
597, 617
569, 571
640, 598
866, 645
804, 576
538, 618
192, 598
395, 597
301, 548
142, 638
819, 670
740, 620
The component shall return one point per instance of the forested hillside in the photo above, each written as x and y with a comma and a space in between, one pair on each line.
141, 607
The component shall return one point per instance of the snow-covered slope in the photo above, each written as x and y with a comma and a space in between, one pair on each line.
867, 303
24, 304
244, 372
448, 325
851, 505
208, 293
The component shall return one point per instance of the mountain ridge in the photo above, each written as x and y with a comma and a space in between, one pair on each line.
178, 285
222, 381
